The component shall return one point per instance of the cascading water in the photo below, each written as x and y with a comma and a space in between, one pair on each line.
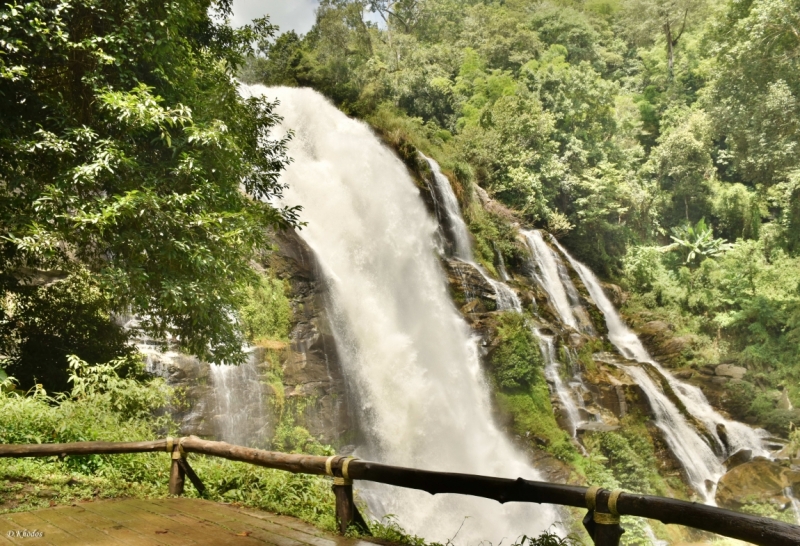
408, 355
553, 376
449, 216
696, 456
236, 403
795, 504
240, 404
554, 278
501, 265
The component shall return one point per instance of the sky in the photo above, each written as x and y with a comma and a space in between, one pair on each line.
297, 15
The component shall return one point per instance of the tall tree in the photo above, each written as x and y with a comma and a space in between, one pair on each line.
127, 152
647, 18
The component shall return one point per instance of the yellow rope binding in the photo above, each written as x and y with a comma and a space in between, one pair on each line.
169, 444
605, 519
591, 497
612, 502
328, 468
346, 464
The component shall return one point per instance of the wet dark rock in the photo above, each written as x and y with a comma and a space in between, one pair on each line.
722, 432
740, 457
615, 294
596, 426
469, 288
310, 370
660, 340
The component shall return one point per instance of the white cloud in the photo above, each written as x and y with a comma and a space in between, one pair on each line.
297, 15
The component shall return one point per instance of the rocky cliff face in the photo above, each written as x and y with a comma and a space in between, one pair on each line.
294, 384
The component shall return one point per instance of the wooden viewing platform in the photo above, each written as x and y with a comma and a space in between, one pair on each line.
602, 521
170, 522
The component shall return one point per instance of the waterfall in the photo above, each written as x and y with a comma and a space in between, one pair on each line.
554, 278
553, 376
449, 215
408, 355
501, 265
240, 404
795, 503
697, 457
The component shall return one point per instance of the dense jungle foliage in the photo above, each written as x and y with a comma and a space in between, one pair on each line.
658, 140
124, 150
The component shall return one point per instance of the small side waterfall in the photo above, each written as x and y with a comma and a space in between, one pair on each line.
554, 278
449, 215
795, 504
552, 373
739, 435
409, 357
695, 454
240, 404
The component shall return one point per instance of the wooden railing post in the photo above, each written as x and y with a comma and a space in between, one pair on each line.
347, 513
602, 520
177, 475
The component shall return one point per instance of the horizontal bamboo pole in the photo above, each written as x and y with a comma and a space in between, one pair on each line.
755, 529
758, 530
80, 448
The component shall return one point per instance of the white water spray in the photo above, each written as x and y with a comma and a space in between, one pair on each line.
795, 504
240, 403
408, 355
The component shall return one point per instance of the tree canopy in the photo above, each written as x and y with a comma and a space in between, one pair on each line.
131, 171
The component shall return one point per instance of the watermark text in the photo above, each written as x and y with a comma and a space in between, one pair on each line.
24, 533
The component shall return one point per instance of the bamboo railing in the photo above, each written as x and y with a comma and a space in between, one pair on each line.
602, 520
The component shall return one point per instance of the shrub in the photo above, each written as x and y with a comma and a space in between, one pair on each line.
517, 357
267, 313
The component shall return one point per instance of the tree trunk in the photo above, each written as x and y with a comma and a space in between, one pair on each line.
670, 51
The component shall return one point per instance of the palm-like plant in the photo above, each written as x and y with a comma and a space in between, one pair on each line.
697, 242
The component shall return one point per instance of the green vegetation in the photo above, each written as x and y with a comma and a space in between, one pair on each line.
103, 406
521, 393
124, 150
266, 313
517, 359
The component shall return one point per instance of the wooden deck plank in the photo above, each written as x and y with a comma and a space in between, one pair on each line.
108, 527
30, 521
163, 522
147, 524
305, 527
239, 523
82, 532
232, 536
286, 526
